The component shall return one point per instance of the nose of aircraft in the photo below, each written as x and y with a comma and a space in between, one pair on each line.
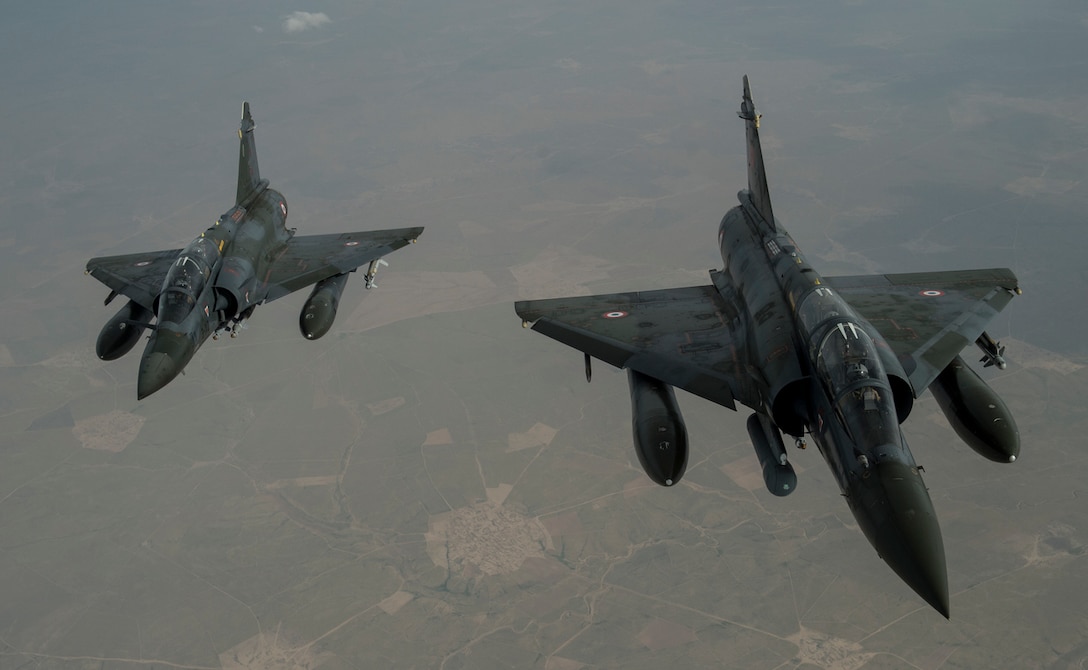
166, 355
897, 516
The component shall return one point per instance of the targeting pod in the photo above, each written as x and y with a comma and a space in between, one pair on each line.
320, 309
778, 474
122, 332
661, 438
976, 412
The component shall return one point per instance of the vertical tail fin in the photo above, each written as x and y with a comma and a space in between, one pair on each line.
757, 175
249, 175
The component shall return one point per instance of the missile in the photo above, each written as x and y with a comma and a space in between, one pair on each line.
122, 332
993, 353
976, 413
661, 438
320, 309
778, 474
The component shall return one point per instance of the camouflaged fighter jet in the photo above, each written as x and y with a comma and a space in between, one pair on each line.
837, 359
248, 257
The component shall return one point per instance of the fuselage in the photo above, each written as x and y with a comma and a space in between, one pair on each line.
826, 371
214, 284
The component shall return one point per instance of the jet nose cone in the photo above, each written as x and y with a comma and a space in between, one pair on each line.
156, 371
166, 355
917, 552
922, 567
901, 524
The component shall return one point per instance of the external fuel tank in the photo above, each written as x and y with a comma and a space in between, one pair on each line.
661, 438
320, 309
122, 332
778, 474
976, 412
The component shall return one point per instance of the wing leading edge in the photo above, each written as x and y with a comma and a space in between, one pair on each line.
685, 337
138, 277
310, 258
929, 317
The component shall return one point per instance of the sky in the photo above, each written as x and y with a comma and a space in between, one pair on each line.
429, 485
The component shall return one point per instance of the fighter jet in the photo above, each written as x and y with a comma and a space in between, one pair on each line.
246, 258
839, 360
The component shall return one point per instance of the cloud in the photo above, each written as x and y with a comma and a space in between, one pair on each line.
298, 21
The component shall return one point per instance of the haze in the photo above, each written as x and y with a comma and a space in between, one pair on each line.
430, 485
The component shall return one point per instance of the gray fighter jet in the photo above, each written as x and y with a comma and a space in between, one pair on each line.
246, 258
837, 359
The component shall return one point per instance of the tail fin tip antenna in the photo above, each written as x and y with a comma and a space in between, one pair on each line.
249, 174
757, 175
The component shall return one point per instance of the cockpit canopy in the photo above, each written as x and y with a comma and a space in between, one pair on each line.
186, 279
822, 309
847, 357
850, 368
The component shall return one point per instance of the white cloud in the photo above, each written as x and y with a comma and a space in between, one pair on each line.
298, 21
